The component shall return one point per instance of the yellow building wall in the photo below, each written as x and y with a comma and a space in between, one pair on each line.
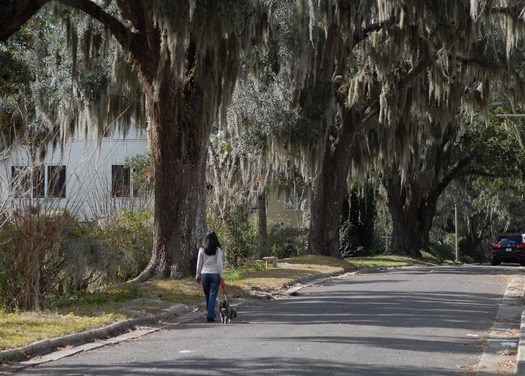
277, 213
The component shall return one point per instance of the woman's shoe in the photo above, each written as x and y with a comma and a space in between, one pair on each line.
210, 319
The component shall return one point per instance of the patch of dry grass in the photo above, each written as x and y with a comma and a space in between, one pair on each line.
96, 309
21, 329
386, 261
289, 269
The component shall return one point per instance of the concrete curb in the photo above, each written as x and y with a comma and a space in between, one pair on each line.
49, 345
520, 364
501, 344
312, 279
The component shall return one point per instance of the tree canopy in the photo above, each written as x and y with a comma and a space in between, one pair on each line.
360, 83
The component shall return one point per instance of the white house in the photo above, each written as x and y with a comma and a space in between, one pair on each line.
90, 178
86, 177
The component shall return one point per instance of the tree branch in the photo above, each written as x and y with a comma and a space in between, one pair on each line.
516, 10
136, 40
479, 62
14, 14
372, 28
456, 169
429, 60
119, 31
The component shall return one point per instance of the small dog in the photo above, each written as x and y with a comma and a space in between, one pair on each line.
226, 310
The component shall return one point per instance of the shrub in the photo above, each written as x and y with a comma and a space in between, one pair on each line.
472, 254
30, 257
233, 275
238, 238
287, 241
50, 255
442, 251
10, 283
466, 259
127, 238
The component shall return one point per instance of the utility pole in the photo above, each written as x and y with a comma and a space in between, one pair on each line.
456, 230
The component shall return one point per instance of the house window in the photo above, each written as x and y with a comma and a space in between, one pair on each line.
38, 183
21, 180
120, 181
56, 181
31, 182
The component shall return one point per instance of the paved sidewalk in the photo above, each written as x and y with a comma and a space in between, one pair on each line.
520, 364
504, 353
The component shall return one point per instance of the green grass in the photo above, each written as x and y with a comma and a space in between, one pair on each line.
115, 294
382, 260
389, 261
18, 329
233, 275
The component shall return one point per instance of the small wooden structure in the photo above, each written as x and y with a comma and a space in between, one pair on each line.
271, 260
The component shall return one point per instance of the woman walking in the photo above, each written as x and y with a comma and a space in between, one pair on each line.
210, 272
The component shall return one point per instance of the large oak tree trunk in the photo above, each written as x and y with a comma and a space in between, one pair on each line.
412, 209
330, 184
329, 190
187, 56
179, 131
412, 202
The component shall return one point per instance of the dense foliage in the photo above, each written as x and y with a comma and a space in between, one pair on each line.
330, 89
45, 256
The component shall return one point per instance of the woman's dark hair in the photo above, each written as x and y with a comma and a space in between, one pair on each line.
211, 243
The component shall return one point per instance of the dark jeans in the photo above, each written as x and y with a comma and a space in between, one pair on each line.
210, 285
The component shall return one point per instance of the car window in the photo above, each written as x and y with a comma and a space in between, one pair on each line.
509, 240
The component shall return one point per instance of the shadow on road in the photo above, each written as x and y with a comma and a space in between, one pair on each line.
260, 366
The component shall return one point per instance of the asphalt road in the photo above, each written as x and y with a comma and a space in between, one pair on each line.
408, 321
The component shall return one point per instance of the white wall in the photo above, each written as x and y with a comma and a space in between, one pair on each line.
88, 173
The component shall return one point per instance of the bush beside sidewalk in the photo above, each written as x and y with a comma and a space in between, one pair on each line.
126, 307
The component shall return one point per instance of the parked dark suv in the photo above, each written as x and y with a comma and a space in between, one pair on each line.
509, 248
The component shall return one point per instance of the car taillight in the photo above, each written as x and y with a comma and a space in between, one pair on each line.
496, 245
521, 246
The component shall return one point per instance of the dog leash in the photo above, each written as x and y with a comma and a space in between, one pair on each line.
223, 287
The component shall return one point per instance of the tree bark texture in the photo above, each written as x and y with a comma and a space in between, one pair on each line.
262, 225
409, 234
329, 190
178, 138
13, 14
330, 184
412, 209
